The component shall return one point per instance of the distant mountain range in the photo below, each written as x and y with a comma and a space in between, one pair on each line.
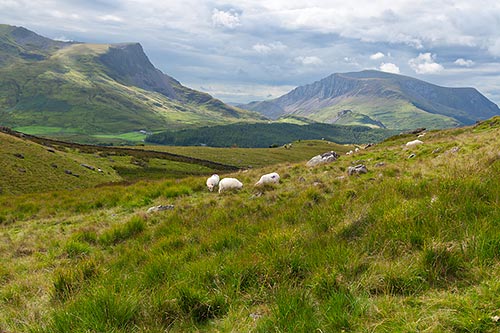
52, 87
379, 99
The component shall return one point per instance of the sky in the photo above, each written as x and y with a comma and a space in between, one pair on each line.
240, 51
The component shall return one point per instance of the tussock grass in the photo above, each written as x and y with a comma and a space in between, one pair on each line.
413, 245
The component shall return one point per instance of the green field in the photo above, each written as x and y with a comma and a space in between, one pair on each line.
411, 246
301, 150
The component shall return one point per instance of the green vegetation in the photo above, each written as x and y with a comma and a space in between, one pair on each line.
32, 164
268, 134
411, 246
89, 93
378, 99
295, 152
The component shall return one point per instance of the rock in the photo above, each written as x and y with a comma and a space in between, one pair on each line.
379, 164
437, 150
21, 170
357, 170
159, 208
87, 166
69, 172
327, 157
50, 150
412, 156
454, 150
416, 131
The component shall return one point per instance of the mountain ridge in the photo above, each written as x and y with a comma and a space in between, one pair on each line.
87, 90
323, 99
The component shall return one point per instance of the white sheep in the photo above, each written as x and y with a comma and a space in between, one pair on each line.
229, 184
212, 181
413, 143
270, 178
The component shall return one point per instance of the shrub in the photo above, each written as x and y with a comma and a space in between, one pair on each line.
122, 232
75, 249
201, 307
442, 264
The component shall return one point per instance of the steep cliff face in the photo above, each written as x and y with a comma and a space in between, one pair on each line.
389, 100
128, 64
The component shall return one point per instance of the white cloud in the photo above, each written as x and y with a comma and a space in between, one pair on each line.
425, 64
110, 18
464, 62
377, 56
224, 19
389, 68
269, 48
311, 60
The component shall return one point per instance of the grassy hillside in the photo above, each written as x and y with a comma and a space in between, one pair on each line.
268, 134
411, 246
33, 164
380, 99
256, 157
95, 92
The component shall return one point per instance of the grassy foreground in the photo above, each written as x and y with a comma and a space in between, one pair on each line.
411, 246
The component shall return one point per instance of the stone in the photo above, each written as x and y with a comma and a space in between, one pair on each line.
357, 170
159, 208
324, 158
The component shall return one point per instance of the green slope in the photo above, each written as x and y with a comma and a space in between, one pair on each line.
92, 89
268, 134
411, 246
381, 99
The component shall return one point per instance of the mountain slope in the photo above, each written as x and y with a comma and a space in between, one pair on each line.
410, 246
89, 89
391, 100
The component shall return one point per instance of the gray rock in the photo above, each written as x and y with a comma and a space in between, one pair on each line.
159, 208
357, 170
324, 158
87, 166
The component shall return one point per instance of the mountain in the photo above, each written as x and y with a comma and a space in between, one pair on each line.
94, 90
380, 99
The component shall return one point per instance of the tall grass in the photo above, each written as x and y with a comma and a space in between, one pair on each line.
406, 251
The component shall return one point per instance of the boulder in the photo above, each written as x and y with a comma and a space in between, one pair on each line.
357, 170
159, 208
327, 157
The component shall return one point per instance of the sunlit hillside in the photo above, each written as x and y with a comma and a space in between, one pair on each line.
411, 246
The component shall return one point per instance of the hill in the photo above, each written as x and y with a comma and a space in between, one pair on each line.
410, 246
87, 91
268, 134
32, 164
379, 99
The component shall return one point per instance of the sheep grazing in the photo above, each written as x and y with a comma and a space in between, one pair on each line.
229, 184
270, 178
413, 143
212, 181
